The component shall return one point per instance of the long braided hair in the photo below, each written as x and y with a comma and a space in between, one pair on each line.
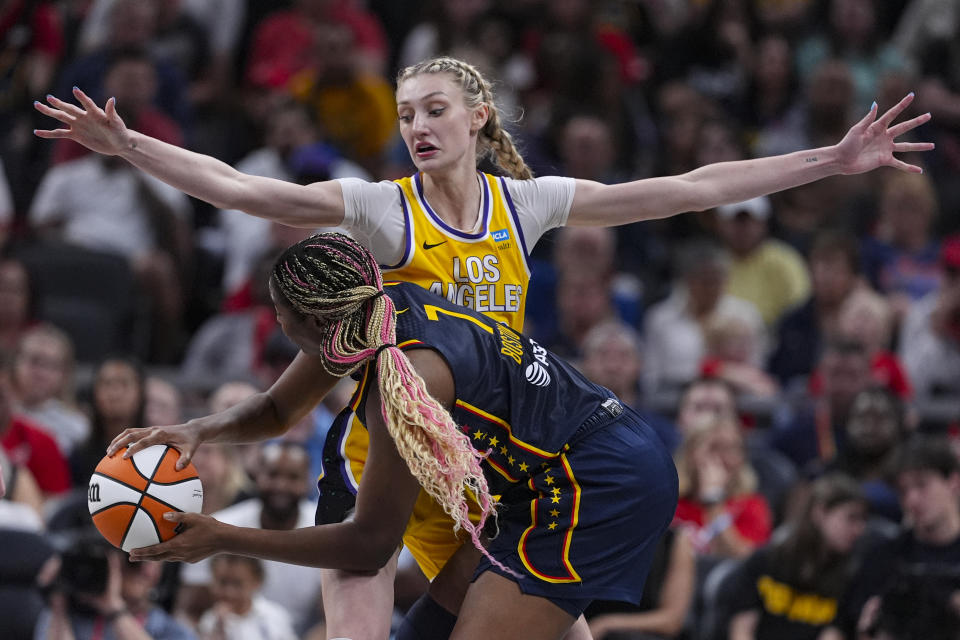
331, 277
493, 137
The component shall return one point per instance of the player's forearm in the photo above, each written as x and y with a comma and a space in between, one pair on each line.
736, 181
252, 420
342, 546
198, 175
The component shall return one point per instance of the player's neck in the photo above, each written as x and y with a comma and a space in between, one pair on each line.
454, 196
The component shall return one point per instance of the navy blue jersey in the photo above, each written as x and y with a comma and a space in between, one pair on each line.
513, 397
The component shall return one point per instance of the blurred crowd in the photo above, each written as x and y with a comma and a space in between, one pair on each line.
800, 353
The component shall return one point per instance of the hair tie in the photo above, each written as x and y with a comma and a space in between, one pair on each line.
377, 294
381, 348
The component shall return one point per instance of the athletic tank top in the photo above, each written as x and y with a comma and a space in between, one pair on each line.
514, 397
485, 270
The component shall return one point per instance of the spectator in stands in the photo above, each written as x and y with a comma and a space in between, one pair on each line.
218, 21
289, 131
280, 503
21, 505
673, 334
28, 564
17, 302
854, 36
791, 588
667, 597
815, 428
124, 610
118, 401
772, 109
103, 204
764, 271
930, 338
909, 587
283, 43
868, 318
834, 269
355, 109
734, 351
164, 402
718, 499
28, 445
132, 26
239, 611
876, 428
231, 345
705, 399
451, 23
902, 258
43, 380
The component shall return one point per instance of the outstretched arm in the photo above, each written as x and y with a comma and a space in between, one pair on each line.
869, 144
102, 130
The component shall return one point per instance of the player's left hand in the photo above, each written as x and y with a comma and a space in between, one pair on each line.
199, 539
871, 142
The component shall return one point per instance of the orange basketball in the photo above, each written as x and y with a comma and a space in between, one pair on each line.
127, 497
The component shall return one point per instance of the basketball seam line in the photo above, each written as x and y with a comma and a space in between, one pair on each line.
140, 501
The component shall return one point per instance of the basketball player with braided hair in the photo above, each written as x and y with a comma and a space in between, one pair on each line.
463, 234
464, 408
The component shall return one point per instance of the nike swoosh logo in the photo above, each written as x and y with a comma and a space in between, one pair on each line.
427, 246
403, 310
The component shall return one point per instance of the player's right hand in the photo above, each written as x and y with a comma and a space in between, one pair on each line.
101, 130
182, 437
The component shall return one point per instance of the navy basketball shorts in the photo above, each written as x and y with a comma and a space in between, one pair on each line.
590, 528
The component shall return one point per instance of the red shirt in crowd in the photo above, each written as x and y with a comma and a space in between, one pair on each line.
31, 447
750, 513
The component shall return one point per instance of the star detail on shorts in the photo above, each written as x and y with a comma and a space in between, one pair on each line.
548, 479
511, 460
556, 491
555, 499
479, 435
494, 441
552, 526
503, 450
524, 466
554, 513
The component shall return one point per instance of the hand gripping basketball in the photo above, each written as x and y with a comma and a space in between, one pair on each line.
128, 497
199, 538
181, 437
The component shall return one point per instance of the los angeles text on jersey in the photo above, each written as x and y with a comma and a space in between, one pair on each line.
476, 284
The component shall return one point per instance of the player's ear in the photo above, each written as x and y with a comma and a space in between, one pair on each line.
479, 118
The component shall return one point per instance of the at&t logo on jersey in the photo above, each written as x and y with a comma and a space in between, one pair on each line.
536, 371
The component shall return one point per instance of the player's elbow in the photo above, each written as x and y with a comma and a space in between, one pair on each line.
374, 551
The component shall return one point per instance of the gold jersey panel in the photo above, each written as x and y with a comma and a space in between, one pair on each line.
485, 270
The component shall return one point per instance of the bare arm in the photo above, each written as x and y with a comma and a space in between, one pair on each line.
366, 542
102, 130
743, 626
670, 615
298, 390
869, 144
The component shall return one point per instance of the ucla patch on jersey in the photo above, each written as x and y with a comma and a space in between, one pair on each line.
500, 235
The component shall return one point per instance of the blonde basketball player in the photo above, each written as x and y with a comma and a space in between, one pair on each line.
463, 234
